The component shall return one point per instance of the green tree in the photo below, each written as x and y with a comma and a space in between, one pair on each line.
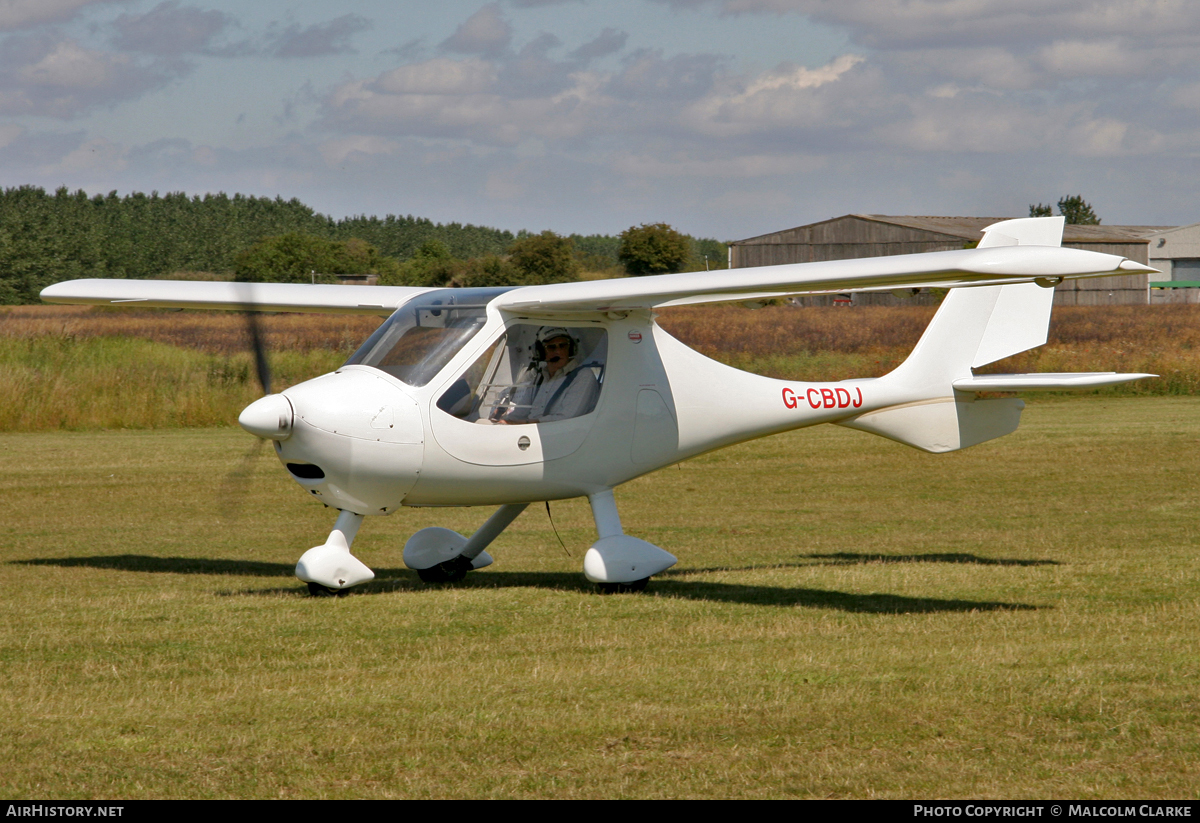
431, 266
596, 252
1077, 211
432, 250
709, 254
544, 258
1073, 207
482, 272
653, 248
294, 258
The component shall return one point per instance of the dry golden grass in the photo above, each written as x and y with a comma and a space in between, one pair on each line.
77, 367
213, 332
869, 341
787, 330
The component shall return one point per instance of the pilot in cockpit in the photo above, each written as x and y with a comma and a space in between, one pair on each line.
555, 386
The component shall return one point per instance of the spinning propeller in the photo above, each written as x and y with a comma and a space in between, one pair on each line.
237, 482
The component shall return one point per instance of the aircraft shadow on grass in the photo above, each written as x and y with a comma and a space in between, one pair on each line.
389, 581
854, 558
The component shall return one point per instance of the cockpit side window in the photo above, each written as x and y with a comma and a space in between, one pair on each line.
532, 374
424, 334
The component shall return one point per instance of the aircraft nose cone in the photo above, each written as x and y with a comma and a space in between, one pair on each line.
270, 417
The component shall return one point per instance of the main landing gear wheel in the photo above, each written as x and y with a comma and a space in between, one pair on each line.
623, 588
317, 590
451, 571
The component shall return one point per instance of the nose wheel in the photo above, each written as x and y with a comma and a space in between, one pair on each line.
317, 590
623, 588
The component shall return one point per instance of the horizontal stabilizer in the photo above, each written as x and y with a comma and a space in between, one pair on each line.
1045, 381
944, 424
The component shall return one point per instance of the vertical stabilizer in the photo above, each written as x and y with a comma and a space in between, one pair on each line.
973, 327
980, 325
1024, 231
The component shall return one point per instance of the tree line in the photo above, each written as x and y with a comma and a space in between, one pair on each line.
46, 238
1078, 211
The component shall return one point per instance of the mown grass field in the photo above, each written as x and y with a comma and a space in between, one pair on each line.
849, 618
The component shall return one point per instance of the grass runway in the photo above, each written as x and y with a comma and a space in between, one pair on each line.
849, 618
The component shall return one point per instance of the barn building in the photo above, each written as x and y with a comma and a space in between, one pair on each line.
1176, 253
873, 235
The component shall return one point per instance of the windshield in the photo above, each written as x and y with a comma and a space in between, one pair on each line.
425, 333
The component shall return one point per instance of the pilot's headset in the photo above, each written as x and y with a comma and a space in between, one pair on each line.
549, 333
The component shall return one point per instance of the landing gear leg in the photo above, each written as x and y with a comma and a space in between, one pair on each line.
617, 562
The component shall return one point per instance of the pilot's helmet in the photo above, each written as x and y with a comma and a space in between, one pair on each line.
547, 333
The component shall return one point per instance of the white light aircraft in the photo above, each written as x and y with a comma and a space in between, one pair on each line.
508, 396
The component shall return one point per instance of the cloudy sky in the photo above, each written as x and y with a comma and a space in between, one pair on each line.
725, 118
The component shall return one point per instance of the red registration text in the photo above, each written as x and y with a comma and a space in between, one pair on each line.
824, 398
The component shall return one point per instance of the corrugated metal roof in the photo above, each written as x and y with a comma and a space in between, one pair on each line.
971, 228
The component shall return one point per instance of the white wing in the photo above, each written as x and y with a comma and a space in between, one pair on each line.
1012, 251
946, 269
187, 294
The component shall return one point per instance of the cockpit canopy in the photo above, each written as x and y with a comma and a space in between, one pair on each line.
424, 334
518, 380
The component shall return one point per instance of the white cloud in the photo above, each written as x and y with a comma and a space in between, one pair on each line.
607, 42
982, 67
485, 33
10, 132
18, 14
320, 39
800, 77
509, 183
169, 29
438, 76
647, 74
69, 66
786, 97
979, 124
895, 22
935, 106
1187, 96
99, 154
454, 98
1105, 58
683, 164
62, 78
367, 146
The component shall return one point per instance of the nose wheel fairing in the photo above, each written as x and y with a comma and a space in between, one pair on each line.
331, 565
